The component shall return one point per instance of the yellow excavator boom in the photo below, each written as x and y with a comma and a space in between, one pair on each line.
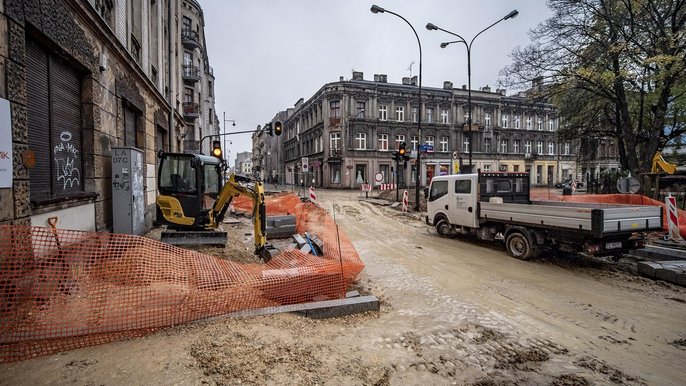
662, 166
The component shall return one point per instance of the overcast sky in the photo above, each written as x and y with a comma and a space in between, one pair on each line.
267, 54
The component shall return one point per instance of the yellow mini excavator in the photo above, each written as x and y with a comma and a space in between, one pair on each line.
192, 201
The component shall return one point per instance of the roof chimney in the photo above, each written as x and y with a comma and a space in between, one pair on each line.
464, 86
486, 89
413, 80
406, 80
340, 79
358, 75
447, 85
537, 83
381, 78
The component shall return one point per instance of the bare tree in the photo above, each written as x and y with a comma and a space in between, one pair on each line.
615, 68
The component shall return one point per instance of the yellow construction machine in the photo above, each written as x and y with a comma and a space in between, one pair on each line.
662, 166
193, 200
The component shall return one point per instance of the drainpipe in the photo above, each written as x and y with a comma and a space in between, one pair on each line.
170, 39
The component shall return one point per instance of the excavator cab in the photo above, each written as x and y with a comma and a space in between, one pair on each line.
188, 186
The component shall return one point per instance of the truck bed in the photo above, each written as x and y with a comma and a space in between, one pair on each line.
600, 220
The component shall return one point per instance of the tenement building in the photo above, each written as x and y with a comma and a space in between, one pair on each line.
79, 78
344, 135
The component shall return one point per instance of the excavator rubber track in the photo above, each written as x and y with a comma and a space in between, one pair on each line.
194, 238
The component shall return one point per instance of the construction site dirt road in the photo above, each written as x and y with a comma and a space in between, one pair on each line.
453, 312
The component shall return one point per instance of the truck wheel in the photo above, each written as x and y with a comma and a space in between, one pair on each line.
444, 228
520, 247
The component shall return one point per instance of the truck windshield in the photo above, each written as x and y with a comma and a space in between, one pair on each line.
177, 175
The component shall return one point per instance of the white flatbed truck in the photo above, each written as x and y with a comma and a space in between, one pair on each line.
497, 206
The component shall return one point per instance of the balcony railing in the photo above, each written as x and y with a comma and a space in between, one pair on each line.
190, 39
191, 73
191, 110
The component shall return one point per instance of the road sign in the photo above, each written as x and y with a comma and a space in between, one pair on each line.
456, 155
378, 177
306, 165
426, 148
628, 185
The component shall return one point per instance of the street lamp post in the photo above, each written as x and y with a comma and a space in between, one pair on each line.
233, 124
377, 9
432, 27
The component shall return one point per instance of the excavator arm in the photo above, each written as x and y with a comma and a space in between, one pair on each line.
233, 188
662, 166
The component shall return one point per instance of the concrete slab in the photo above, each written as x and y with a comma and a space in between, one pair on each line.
318, 310
299, 240
665, 274
680, 279
647, 268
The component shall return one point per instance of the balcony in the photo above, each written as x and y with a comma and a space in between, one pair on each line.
191, 110
335, 156
191, 74
190, 39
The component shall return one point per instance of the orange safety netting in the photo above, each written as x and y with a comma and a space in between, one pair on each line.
63, 289
624, 199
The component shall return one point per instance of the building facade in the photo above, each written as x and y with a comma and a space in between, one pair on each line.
345, 135
81, 77
243, 162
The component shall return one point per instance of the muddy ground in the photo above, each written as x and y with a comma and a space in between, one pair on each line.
452, 312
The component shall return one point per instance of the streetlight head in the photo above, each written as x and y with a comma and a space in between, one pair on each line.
511, 15
376, 9
443, 45
431, 27
233, 124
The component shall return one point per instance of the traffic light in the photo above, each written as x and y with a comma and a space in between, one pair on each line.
217, 148
268, 129
278, 128
401, 149
395, 155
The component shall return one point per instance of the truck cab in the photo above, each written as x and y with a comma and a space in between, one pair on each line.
455, 199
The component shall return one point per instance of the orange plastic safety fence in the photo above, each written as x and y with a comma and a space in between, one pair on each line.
64, 289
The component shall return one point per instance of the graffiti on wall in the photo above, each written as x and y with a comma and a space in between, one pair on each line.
66, 157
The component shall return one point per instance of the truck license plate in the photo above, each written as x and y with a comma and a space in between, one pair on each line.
613, 245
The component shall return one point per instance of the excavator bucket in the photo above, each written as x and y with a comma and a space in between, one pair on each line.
194, 238
267, 252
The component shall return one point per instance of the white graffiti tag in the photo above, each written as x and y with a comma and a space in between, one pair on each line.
66, 156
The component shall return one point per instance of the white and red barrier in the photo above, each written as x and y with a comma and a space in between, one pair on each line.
386, 186
405, 200
672, 218
313, 197
366, 187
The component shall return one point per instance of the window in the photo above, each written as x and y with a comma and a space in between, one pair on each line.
566, 151
516, 122
211, 117
527, 147
515, 146
429, 115
104, 9
361, 141
187, 60
334, 109
539, 147
540, 123
187, 24
188, 95
465, 145
487, 167
414, 143
335, 141
528, 123
383, 142
503, 146
551, 124
131, 126
336, 173
55, 138
415, 113
444, 116
487, 120
361, 107
399, 138
135, 49
361, 174
444, 144
383, 112
505, 121
438, 190
551, 148
487, 145
463, 186
430, 140
209, 88
400, 113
